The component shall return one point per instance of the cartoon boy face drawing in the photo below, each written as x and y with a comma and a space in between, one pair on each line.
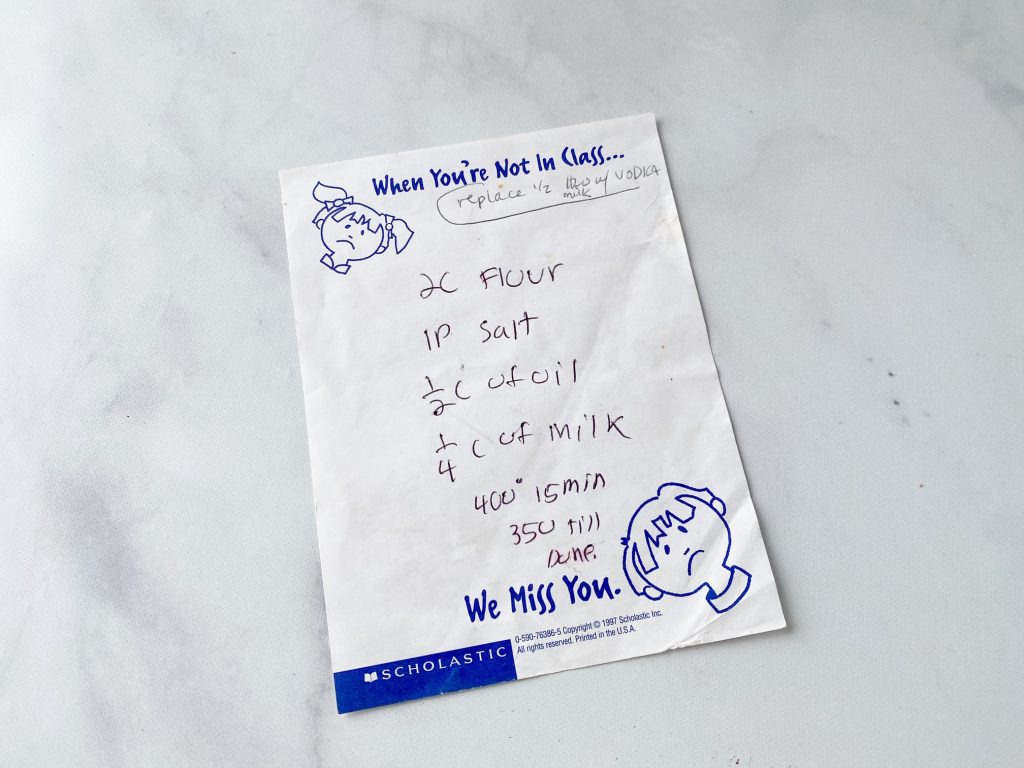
678, 543
351, 231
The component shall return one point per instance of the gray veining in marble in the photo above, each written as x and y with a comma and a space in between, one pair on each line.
851, 182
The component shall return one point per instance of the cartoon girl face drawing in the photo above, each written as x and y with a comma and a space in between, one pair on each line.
678, 543
351, 231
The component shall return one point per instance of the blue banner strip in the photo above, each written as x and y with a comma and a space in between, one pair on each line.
421, 676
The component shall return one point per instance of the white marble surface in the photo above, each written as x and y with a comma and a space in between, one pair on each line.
851, 182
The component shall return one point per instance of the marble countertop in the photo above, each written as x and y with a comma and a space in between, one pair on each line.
850, 178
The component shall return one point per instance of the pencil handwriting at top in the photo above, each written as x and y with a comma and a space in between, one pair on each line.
579, 188
479, 203
479, 199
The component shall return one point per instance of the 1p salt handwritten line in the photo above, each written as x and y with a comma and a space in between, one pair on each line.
531, 210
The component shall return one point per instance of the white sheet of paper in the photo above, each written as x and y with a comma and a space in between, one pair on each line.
522, 460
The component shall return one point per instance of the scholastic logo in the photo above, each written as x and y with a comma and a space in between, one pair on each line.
439, 672
440, 663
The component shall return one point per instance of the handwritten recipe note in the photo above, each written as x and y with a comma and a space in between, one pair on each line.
522, 459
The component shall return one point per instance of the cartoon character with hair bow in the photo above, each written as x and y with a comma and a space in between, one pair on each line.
351, 231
